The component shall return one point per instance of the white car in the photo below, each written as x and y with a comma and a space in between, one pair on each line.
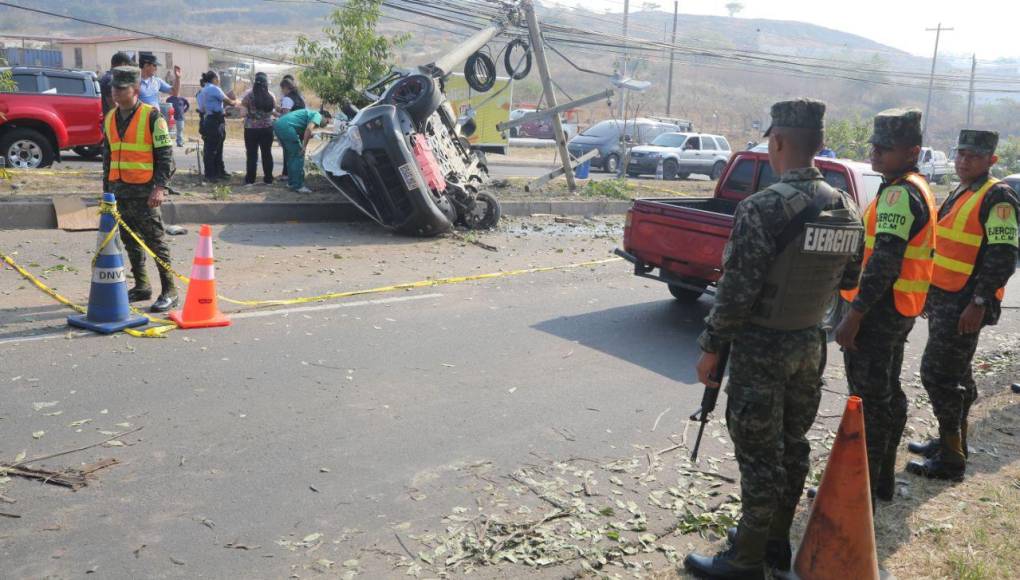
933, 165
681, 154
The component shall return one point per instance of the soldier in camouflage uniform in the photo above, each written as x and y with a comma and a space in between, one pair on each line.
137, 165
779, 275
965, 297
883, 308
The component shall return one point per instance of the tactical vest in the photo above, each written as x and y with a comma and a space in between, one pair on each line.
131, 158
960, 236
806, 273
910, 290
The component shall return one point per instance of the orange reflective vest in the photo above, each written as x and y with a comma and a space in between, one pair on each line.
131, 158
911, 288
961, 235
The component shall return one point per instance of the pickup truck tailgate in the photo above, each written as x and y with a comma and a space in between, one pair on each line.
683, 236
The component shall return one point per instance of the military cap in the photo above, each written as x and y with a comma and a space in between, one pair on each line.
897, 128
125, 76
145, 58
982, 142
798, 114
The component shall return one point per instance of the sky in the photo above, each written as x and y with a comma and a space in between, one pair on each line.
991, 29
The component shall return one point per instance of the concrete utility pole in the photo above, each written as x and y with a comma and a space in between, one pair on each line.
535, 33
970, 92
931, 78
672, 56
623, 59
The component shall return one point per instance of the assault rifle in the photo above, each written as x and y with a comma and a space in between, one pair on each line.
710, 397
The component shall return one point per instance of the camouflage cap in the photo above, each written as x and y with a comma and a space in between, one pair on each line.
982, 142
798, 114
897, 128
125, 76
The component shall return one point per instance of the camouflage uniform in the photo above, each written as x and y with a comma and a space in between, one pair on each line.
873, 370
775, 375
133, 199
946, 365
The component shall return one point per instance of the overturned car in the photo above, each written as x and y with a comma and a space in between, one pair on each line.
405, 160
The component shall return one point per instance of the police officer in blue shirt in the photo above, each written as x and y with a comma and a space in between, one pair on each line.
151, 84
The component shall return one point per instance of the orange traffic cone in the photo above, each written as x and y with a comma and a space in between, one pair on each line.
839, 541
200, 308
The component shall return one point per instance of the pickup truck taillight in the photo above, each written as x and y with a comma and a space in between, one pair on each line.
628, 219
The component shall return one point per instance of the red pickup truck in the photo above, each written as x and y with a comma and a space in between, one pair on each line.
52, 110
683, 237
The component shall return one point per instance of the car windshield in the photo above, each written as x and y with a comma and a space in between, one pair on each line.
669, 140
603, 129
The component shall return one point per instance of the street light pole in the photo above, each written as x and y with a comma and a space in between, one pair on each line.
970, 92
672, 56
931, 78
623, 59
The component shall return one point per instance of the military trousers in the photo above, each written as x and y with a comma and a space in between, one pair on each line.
946, 369
873, 374
774, 391
147, 222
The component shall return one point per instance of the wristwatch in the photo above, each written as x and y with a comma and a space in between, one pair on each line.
979, 301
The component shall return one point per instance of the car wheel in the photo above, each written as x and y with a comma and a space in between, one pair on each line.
717, 170
669, 169
612, 163
416, 94
89, 152
515, 132
685, 295
486, 213
25, 148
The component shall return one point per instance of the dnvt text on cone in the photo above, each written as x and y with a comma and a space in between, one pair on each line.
839, 541
108, 309
201, 309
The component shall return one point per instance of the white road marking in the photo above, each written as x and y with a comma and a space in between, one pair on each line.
249, 314
334, 306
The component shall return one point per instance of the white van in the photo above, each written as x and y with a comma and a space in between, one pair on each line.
933, 165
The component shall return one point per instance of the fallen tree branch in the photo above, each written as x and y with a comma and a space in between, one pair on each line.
70, 451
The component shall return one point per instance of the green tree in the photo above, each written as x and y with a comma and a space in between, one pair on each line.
733, 8
352, 56
1009, 157
7, 84
849, 138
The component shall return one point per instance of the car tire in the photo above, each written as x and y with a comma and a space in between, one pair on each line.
717, 170
515, 132
611, 164
25, 148
670, 169
486, 213
684, 295
416, 94
89, 151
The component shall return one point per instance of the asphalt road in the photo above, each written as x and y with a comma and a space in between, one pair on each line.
372, 421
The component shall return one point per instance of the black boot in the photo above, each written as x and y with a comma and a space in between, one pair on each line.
139, 293
885, 487
744, 560
949, 463
168, 297
927, 448
778, 553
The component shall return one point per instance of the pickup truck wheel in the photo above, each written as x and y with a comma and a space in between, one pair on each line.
89, 152
25, 148
669, 169
684, 295
717, 170
611, 164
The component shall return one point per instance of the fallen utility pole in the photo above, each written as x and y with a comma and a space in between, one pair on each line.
537, 115
569, 170
535, 33
458, 55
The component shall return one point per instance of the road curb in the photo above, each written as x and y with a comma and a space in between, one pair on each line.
40, 214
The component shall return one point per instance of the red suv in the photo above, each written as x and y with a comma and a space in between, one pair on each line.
52, 110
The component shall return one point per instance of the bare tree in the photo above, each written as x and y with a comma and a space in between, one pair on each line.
734, 8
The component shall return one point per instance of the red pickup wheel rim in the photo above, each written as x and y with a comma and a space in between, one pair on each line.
24, 154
